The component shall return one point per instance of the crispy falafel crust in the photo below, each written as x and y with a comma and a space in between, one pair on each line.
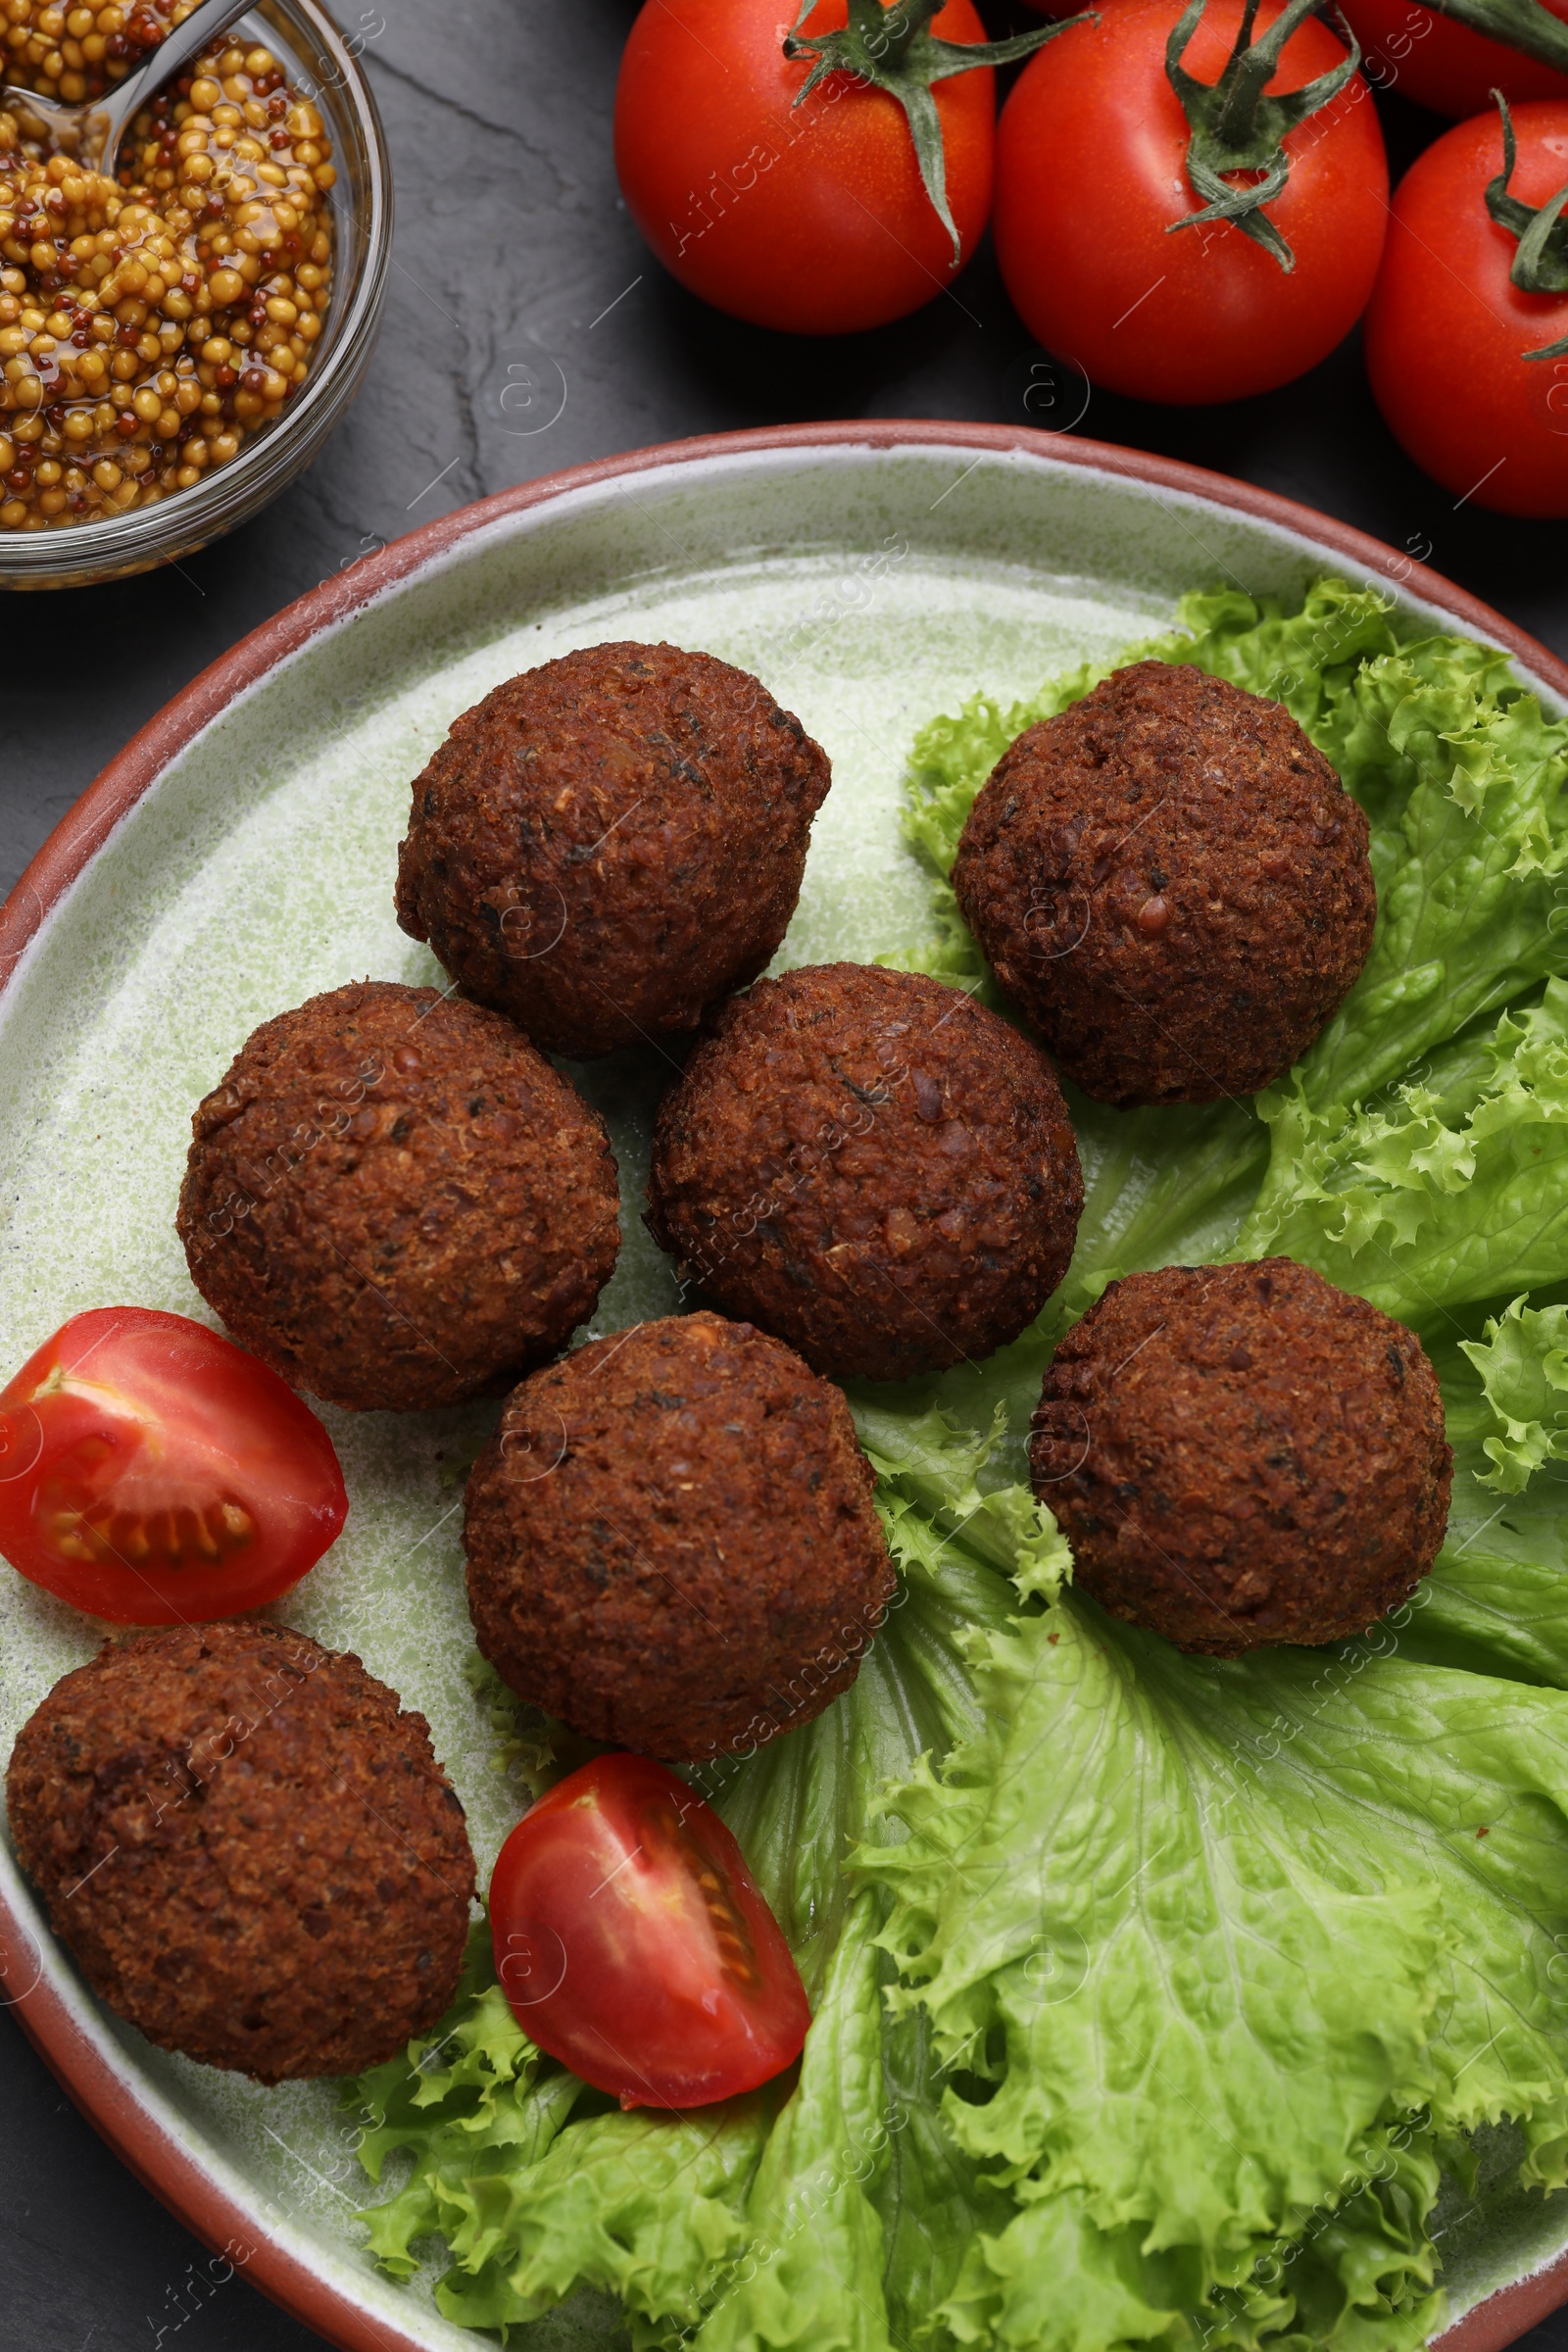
671, 1542
396, 1201
1171, 881
1243, 1454
871, 1165
608, 844
253, 1854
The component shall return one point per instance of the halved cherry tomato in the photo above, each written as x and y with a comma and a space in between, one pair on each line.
634, 1945
153, 1473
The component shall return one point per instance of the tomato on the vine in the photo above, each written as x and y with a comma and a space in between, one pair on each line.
1443, 65
813, 218
1091, 179
153, 1473
1449, 331
634, 1945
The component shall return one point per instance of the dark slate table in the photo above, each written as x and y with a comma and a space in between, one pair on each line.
510, 235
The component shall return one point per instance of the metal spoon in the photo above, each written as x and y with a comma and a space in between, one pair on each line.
92, 133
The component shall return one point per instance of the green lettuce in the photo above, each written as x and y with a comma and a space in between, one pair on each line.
1523, 1364
1497, 1601
1449, 1192
1210, 1937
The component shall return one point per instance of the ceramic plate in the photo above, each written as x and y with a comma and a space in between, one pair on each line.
239, 856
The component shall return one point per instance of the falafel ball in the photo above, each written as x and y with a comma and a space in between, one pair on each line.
1243, 1454
1171, 882
610, 843
670, 1540
396, 1201
871, 1165
253, 1854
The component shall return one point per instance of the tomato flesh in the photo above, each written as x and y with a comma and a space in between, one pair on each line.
1446, 330
1091, 179
634, 1945
153, 1473
807, 217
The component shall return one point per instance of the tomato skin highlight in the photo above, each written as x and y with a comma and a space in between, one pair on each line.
1091, 174
152, 1473
1443, 65
634, 1945
1446, 325
812, 220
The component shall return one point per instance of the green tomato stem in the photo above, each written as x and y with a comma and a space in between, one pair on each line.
1522, 24
1236, 127
890, 48
1540, 264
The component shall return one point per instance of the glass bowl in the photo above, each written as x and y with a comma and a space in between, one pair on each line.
325, 67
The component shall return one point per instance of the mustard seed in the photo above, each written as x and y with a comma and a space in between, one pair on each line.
209, 244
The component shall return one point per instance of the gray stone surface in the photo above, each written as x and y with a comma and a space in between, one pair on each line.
513, 252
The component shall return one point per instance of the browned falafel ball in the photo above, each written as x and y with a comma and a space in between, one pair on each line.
1172, 883
253, 1854
871, 1165
671, 1543
396, 1201
608, 845
1243, 1454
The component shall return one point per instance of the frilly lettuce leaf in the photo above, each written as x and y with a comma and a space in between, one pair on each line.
644, 2206
812, 2274
930, 1471
1523, 1364
1211, 1938
1096, 1881
1463, 780
1496, 1601
1453, 1189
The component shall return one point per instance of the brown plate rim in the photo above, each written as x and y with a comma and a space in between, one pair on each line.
150, 2152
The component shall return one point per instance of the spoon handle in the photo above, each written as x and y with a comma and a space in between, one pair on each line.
104, 125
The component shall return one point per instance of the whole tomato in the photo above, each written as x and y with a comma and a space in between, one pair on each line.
1091, 181
1446, 331
1443, 65
807, 218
